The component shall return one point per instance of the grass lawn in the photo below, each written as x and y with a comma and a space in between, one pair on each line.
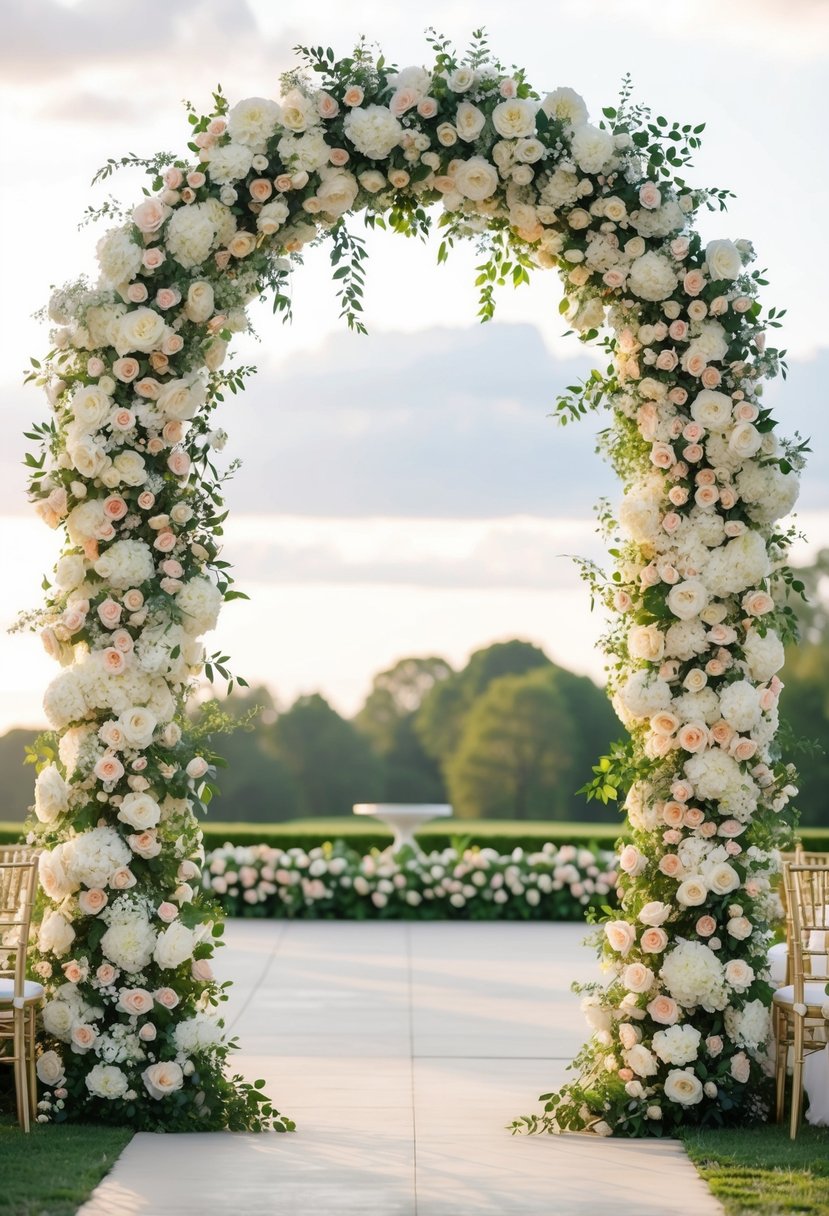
761, 1172
52, 1171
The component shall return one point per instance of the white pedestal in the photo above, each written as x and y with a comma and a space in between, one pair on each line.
403, 818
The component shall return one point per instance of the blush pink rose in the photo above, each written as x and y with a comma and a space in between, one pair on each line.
92, 901
179, 463
710, 377
113, 661
133, 600
743, 749
427, 107
693, 737
283, 183
147, 1033
84, 1037
109, 612
167, 997
148, 387
106, 973
650, 196
327, 106
150, 215
165, 542
144, 844
167, 912
673, 813
108, 768
693, 452
693, 282
261, 189
653, 941
706, 925
201, 970
694, 817
671, 521
663, 1010
153, 258
670, 865
137, 293
135, 1001
125, 369
167, 297
353, 96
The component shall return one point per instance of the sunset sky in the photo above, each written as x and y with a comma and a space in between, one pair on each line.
405, 492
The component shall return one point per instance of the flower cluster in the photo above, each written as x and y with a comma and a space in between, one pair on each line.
555, 883
126, 468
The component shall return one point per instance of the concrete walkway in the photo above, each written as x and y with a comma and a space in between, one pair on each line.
402, 1050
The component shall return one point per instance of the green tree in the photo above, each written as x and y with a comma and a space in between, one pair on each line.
387, 721
331, 763
515, 749
439, 723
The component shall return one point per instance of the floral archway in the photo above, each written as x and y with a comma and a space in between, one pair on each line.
137, 367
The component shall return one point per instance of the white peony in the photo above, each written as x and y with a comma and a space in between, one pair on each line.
373, 130
643, 694
641, 1060
646, 642
677, 1044
126, 564
307, 153
713, 773
767, 493
476, 178
686, 639
694, 975
748, 1027
724, 261
740, 705
683, 1087
106, 1081
652, 277
592, 148
196, 1034
253, 122
58, 1019
687, 600
140, 811
50, 1069
742, 563
174, 945
565, 105
764, 655
51, 794
712, 410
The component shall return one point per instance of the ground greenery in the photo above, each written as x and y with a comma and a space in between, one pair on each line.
761, 1172
52, 1171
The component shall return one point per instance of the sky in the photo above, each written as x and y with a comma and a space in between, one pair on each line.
408, 492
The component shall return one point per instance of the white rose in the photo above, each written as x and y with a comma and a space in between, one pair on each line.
652, 277
138, 725
130, 468
163, 1079
140, 811
88, 457
336, 193
683, 1087
646, 642
642, 1061
174, 945
711, 410
50, 1069
722, 878
56, 934
692, 892
200, 301
514, 119
592, 149
745, 440
57, 1019
461, 80
90, 407
51, 794
724, 261
469, 121
70, 571
687, 600
180, 399
476, 178
764, 655
142, 329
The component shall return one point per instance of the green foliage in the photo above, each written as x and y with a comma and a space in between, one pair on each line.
761, 1172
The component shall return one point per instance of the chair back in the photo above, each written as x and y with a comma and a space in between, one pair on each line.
807, 897
18, 884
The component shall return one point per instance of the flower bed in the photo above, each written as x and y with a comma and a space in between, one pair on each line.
335, 882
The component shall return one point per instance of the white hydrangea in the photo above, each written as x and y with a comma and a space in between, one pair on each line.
174, 945
768, 493
742, 563
197, 1034
91, 858
63, 700
713, 773
191, 234
652, 277
748, 1027
559, 189
227, 163
685, 639
677, 1044
125, 564
373, 130
740, 705
662, 221
51, 794
308, 152
641, 806
253, 121
643, 694
641, 509
694, 975
199, 600
764, 655
702, 706
119, 257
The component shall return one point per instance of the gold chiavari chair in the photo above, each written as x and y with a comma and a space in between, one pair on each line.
19, 996
800, 1021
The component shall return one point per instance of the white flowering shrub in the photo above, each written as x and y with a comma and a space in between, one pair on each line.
124, 467
333, 881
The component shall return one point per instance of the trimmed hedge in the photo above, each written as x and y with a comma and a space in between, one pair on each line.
503, 834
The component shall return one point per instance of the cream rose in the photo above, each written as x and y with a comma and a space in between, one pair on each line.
683, 1087
162, 1079
724, 261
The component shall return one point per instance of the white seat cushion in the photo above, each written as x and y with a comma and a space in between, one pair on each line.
778, 958
814, 993
32, 992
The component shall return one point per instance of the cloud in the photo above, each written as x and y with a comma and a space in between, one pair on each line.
91, 109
